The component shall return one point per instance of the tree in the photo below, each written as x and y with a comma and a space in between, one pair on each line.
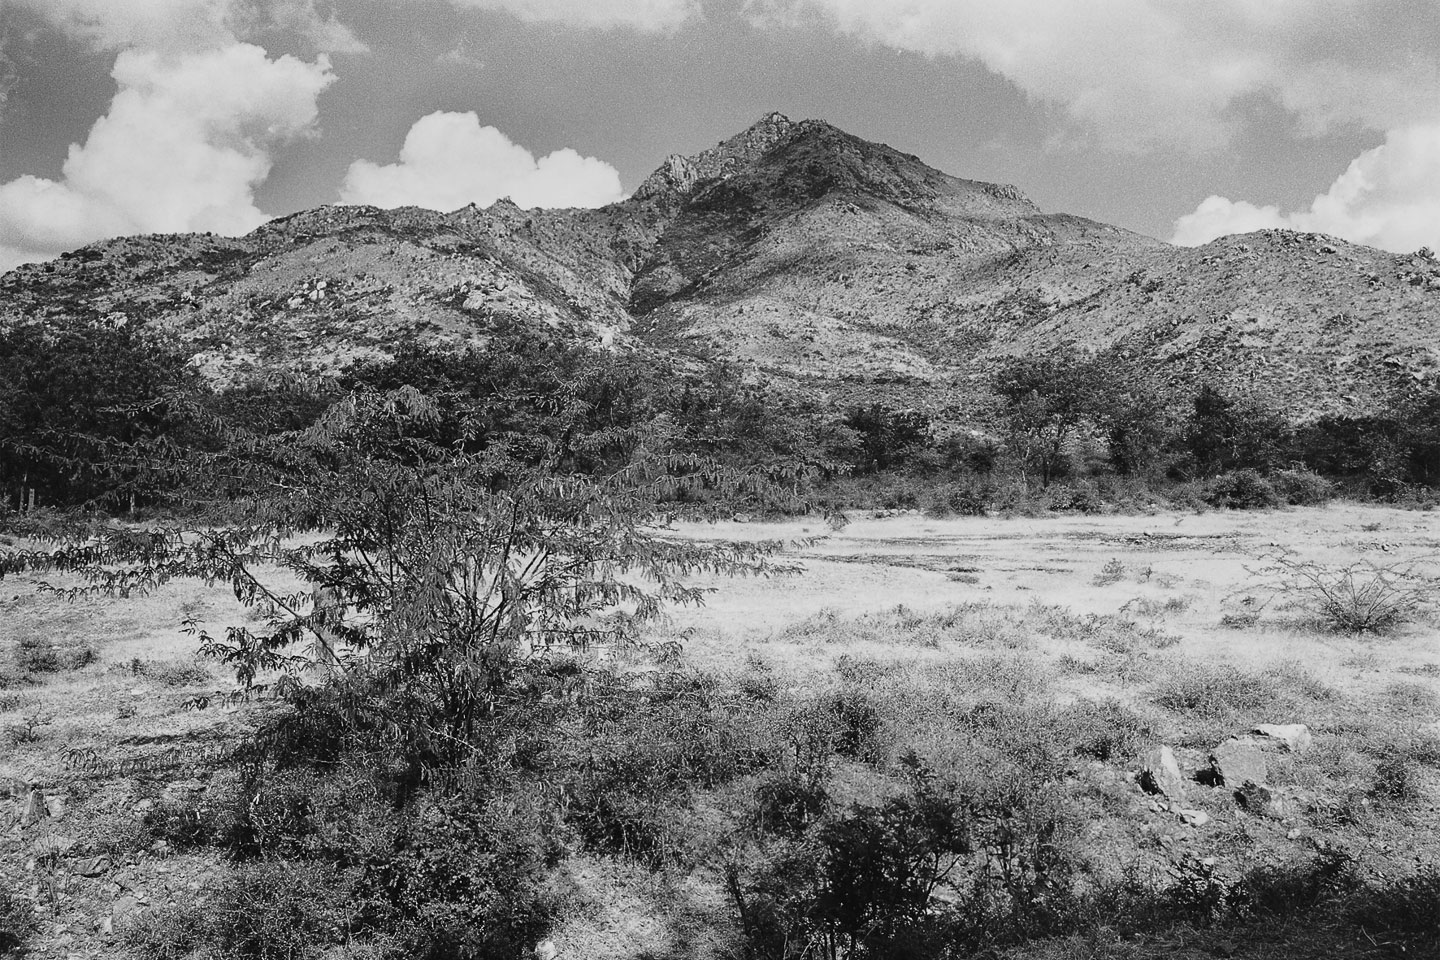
1048, 399
443, 568
77, 405
1223, 434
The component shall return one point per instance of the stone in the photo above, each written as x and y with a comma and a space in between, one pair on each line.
34, 810
92, 866
55, 806
1196, 818
1260, 800
123, 907
1160, 773
1236, 760
1289, 737
546, 950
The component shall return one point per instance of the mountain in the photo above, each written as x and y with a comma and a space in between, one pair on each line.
818, 259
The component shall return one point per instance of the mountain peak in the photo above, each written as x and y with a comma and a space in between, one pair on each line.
680, 175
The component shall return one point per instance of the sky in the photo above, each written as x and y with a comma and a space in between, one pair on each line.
1180, 119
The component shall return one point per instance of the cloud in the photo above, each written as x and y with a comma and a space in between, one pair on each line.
185, 141
190, 25
450, 160
1147, 73
1388, 197
647, 16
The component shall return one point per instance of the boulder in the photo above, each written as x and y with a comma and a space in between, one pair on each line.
34, 810
55, 807
1261, 800
124, 907
1196, 818
1160, 773
1288, 737
92, 866
1238, 760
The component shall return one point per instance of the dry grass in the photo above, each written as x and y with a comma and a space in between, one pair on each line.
1032, 664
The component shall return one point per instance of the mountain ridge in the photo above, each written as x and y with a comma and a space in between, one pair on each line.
815, 258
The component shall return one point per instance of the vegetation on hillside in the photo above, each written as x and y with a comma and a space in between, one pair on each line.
96, 416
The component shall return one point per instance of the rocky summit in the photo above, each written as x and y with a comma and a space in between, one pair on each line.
814, 258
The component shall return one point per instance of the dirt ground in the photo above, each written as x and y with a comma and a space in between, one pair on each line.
95, 738
1206, 564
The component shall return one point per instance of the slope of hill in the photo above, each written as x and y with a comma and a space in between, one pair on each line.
820, 259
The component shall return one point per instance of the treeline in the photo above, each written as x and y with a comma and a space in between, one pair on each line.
109, 417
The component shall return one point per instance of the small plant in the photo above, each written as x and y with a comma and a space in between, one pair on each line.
1112, 572
28, 729
1397, 779
36, 655
1360, 597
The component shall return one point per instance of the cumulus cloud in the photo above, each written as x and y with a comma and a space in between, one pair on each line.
1143, 73
648, 16
1388, 197
450, 160
185, 141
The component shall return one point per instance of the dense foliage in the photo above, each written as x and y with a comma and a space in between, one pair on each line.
96, 415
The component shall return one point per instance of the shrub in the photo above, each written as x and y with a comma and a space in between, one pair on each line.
188, 822
36, 655
787, 804
1302, 487
467, 881
1360, 597
1075, 497
1105, 730
1241, 490
966, 498
279, 910
1215, 691
267, 910
173, 932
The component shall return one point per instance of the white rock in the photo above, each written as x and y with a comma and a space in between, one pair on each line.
1295, 737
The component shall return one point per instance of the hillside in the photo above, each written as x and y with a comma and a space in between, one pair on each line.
817, 258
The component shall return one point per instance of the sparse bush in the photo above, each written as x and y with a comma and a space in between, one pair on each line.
35, 654
173, 932
189, 822
29, 729
1241, 490
1104, 731
1112, 572
278, 910
171, 673
1213, 691
1397, 779
1360, 597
